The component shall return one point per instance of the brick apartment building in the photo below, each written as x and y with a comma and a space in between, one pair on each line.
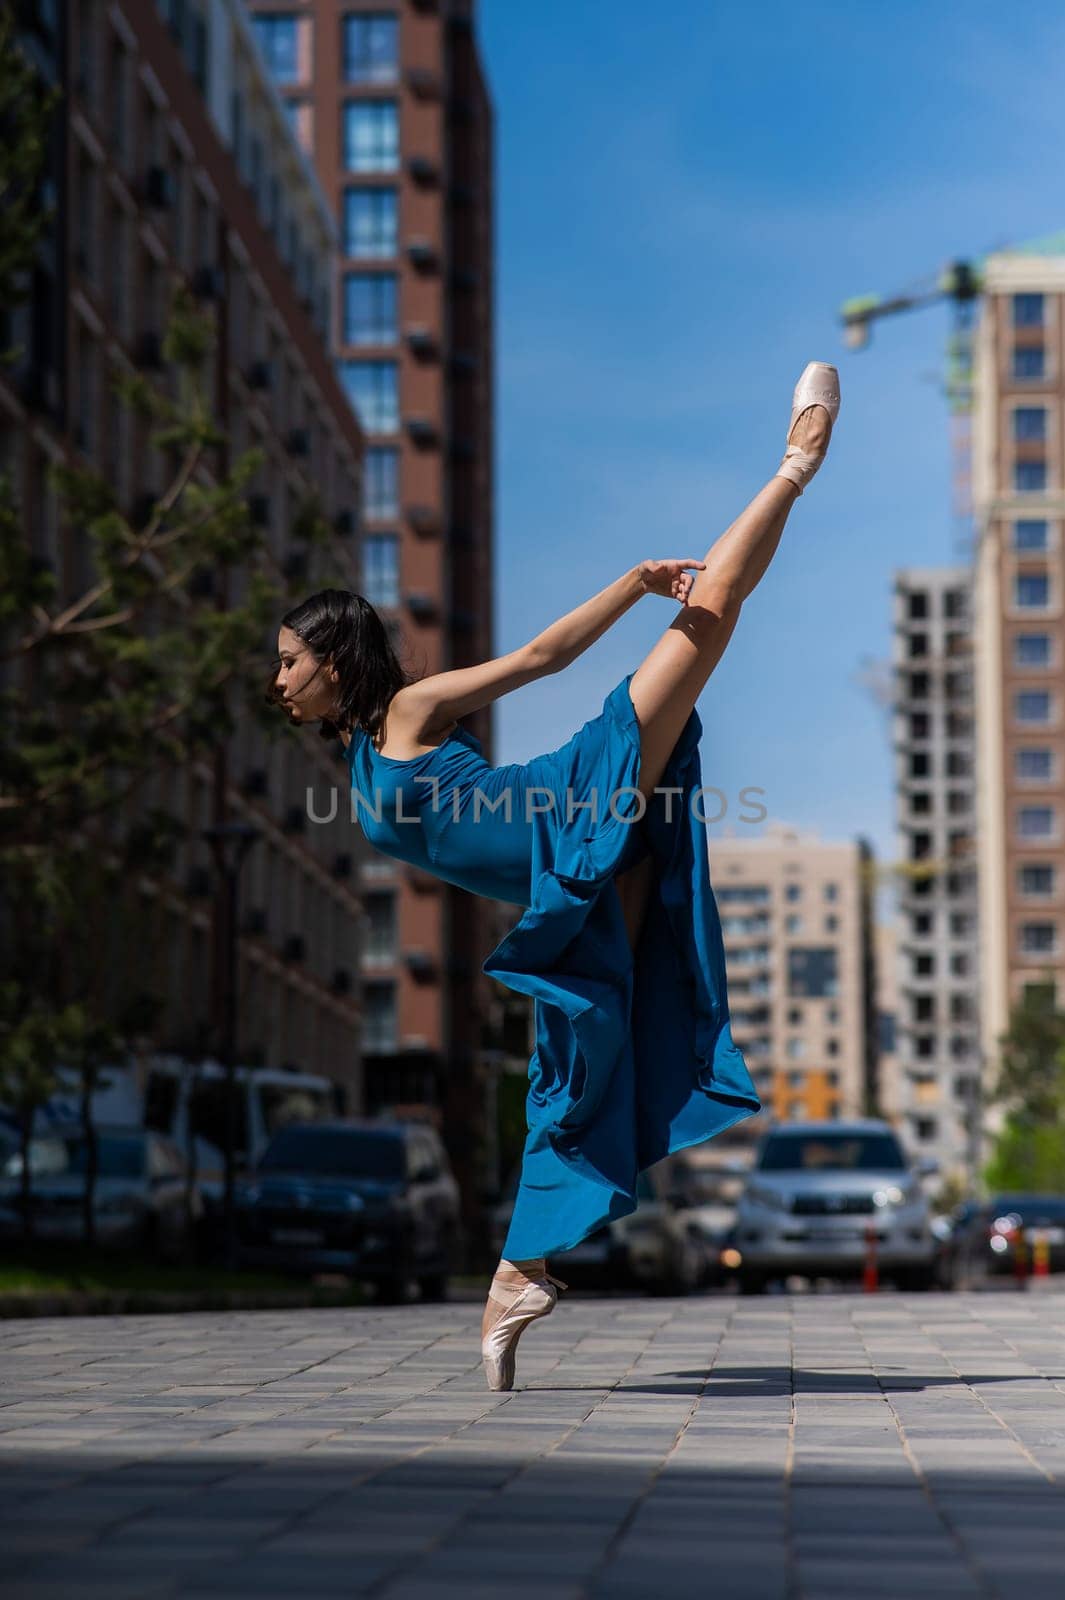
173, 161
391, 102
1019, 501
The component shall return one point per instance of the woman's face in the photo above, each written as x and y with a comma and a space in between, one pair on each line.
308, 688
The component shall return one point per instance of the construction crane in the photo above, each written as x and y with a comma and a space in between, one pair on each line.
961, 283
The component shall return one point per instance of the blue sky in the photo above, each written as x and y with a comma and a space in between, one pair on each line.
685, 196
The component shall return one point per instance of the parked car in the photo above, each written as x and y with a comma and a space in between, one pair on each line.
812, 1192
658, 1248
375, 1200
138, 1197
983, 1235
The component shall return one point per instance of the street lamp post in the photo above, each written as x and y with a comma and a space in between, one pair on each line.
230, 843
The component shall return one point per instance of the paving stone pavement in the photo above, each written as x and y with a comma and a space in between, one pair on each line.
796, 1447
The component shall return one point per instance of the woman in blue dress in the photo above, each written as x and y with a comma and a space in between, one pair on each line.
602, 841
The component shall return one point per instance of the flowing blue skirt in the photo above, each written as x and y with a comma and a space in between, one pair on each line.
634, 1057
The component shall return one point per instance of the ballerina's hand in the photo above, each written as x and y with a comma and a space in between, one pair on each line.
668, 577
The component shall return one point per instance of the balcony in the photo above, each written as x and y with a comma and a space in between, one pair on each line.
423, 82
423, 255
423, 607
422, 342
423, 520
422, 432
424, 171
420, 963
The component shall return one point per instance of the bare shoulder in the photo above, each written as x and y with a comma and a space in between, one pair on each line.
413, 726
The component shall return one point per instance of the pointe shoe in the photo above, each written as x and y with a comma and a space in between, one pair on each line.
818, 386
524, 1303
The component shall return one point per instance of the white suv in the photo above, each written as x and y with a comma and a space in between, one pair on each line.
814, 1189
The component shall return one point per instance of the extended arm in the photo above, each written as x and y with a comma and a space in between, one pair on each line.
434, 702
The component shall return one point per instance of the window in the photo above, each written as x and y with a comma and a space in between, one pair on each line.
918, 607
278, 39
794, 1016
924, 966
959, 964
923, 923
1028, 311
1029, 362
917, 645
379, 1016
813, 972
380, 569
371, 136
925, 1128
1031, 705
373, 389
1035, 822
920, 803
1038, 938
793, 891
793, 924
796, 1079
1031, 591
380, 483
1036, 878
1033, 766
954, 603
369, 308
1029, 424
370, 46
832, 1049
796, 1049
370, 223
1030, 533
1029, 477
831, 891
831, 923
920, 764
1031, 650
919, 685
379, 943
920, 725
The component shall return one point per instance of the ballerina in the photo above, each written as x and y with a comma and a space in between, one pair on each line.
619, 945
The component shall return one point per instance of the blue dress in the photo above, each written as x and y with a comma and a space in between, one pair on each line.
634, 1056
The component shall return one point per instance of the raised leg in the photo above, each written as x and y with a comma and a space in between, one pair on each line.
669, 680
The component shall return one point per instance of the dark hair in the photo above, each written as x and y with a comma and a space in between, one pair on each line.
343, 630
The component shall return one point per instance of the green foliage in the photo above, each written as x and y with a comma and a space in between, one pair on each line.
1028, 1156
142, 671
1030, 1150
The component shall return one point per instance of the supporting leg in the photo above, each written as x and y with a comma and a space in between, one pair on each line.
511, 1272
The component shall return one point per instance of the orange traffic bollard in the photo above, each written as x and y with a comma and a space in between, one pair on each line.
1020, 1258
1040, 1254
870, 1276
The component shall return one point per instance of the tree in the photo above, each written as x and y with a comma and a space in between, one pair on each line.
1030, 1150
139, 672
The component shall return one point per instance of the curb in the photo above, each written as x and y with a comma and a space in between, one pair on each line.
108, 1302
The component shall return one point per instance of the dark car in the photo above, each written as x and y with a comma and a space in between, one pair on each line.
374, 1200
983, 1238
138, 1196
